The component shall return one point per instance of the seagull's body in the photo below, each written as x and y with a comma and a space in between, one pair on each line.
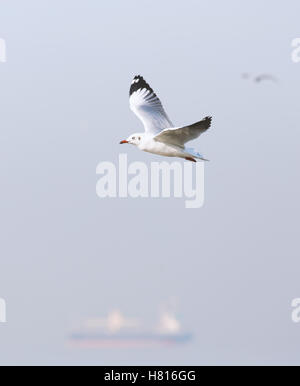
160, 136
149, 144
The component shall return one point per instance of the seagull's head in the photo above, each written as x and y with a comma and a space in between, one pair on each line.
133, 139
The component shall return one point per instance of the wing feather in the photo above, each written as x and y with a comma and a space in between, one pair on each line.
146, 105
180, 135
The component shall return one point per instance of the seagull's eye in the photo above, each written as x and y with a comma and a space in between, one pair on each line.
133, 137
139, 138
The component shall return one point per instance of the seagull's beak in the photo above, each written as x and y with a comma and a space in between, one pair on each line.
124, 141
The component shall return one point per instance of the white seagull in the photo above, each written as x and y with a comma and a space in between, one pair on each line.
160, 136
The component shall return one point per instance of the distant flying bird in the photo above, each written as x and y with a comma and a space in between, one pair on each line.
262, 77
259, 78
160, 136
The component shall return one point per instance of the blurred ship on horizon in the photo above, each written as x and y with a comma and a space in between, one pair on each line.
117, 331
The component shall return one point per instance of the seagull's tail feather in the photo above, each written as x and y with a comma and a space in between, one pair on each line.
195, 154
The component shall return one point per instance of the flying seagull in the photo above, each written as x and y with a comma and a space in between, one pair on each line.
262, 77
160, 136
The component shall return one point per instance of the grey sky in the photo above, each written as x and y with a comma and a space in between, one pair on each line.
234, 264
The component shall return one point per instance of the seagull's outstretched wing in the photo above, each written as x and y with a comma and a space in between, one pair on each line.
145, 104
180, 135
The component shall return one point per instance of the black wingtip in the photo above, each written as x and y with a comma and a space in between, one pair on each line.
137, 83
207, 120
